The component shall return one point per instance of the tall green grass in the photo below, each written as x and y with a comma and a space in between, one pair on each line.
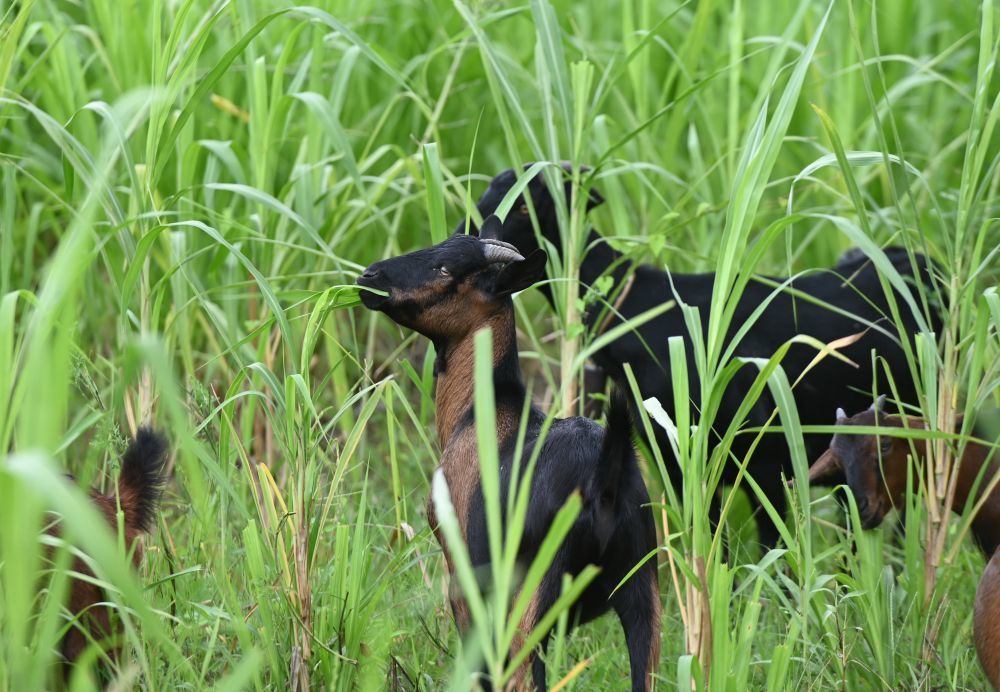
186, 189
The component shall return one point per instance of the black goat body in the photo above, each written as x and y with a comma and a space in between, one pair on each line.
449, 292
852, 286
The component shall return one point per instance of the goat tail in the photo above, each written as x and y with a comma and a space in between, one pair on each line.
142, 478
617, 449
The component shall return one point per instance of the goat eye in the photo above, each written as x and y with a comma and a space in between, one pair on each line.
444, 271
523, 209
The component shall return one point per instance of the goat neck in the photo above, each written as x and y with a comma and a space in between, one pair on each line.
600, 260
455, 390
986, 522
600, 257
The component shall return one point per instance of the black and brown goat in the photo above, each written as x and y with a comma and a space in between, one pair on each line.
448, 293
876, 469
138, 491
852, 288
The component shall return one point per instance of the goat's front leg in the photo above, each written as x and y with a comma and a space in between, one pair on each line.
459, 606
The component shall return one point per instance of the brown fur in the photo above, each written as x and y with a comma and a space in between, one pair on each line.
880, 475
654, 643
876, 471
455, 388
459, 606
460, 466
95, 620
137, 493
453, 400
986, 621
460, 459
522, 679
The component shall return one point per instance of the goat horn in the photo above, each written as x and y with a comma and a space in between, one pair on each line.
498, 251
841, 415
879, 404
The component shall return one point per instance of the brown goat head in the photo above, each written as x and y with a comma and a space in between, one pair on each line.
451, 288
874, 467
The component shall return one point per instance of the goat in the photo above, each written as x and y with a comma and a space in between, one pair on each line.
986, 620
138, 491
449, 292
875, 468
639, 287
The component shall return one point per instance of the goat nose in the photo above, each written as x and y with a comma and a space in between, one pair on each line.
371, 272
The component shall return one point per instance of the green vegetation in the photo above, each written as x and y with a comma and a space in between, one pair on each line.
189, 188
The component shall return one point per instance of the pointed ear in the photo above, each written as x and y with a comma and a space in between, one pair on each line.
594, 198
492, 225
469, 222
827, 470
518, 276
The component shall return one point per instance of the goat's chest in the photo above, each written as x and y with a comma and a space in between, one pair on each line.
460, 466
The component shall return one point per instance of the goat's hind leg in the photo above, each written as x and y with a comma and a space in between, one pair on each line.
637, 604
530, 675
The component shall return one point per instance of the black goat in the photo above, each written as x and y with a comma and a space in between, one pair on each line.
449, 292
852, 286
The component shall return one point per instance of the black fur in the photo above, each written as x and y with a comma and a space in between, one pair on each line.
826, 385
142, 474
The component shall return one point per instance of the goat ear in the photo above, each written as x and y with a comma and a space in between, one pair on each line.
492, 225
467, 222
567, 167
518, 276
594, 198
827, 470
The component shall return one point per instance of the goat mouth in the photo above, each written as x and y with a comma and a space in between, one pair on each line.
872, 517
371, 299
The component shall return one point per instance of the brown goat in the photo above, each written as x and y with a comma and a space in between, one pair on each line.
875, 469
986, 620
139, 485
